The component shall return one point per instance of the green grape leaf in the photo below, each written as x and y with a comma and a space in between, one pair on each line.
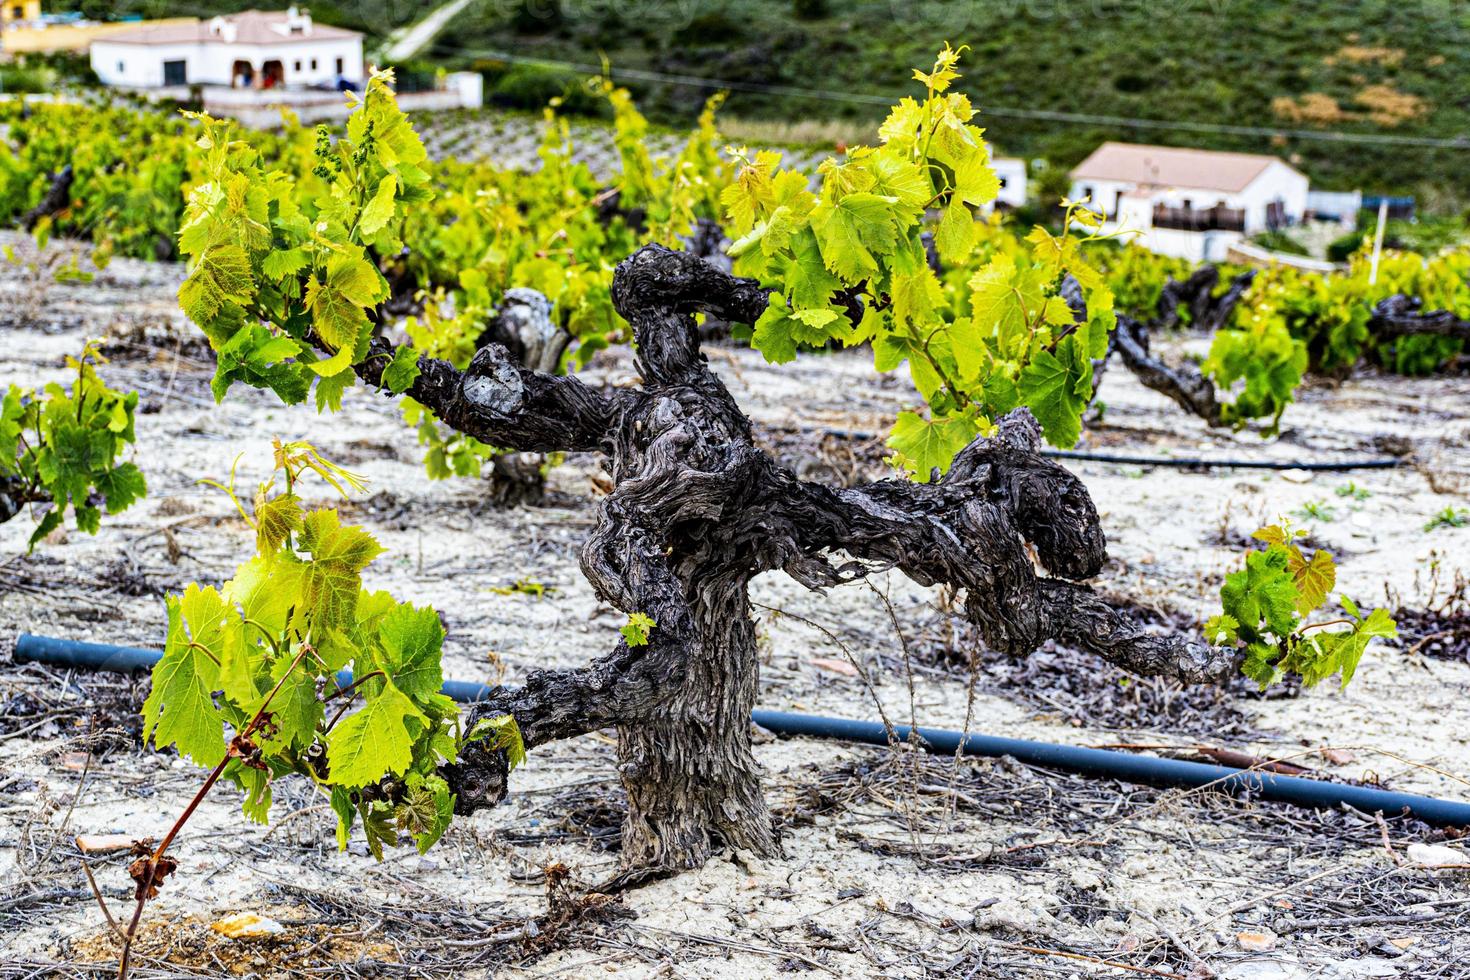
379, 827
329, 391
375, 740
220, 276
899, 177
808, 283
1260, 664
281, 263
955, 237
923, 445
179, 709
341, 799
295, 707
975, 180
773, 332
848, 230
1340, 652
276, 519
1262, 592
635, 631
265, 590
338, 306
379, 210
122, 486
426, 810
1222, 630
504, 734
333, 578
403, 370
1057, 387
257, 786
412, 638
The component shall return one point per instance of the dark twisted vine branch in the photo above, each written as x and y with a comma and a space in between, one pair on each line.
1404, 316
697, 511
56, 198
1183, 384
15, 493
1208, 312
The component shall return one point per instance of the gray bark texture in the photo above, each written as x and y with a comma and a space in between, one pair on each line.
697, 511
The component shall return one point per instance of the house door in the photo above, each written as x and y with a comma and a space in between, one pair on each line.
175, 73
242, 74
1276, 214
272, 74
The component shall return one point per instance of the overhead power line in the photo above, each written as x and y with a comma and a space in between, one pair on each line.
1042, 115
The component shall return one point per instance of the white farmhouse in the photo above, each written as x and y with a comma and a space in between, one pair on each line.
1189, 203
256, 49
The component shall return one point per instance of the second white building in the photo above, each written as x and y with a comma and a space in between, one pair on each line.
1189, 203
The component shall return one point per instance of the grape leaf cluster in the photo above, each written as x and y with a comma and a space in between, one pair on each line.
273, 278
1265, 610
275, 638
60, 448
850, 265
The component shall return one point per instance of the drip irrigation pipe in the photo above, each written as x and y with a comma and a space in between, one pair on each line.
1181, 462
1095, 763
1382, 463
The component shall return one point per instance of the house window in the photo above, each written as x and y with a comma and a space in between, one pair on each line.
340, 66
1003, 183
18, 12
298, 64
313, 64
1086, 192
121, 68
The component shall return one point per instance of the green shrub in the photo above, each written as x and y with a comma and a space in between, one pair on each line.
1341, 249
532, 86
1279, 241
21, 80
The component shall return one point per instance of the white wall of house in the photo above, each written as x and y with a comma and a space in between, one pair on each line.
1012, 174
141, 65
307, 62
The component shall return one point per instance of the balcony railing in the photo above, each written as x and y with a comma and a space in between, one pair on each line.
1218, 218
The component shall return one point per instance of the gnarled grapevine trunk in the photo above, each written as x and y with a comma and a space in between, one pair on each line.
692, 782
697, 511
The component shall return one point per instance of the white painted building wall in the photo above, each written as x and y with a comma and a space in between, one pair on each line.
1012, 174
303, 62
141, 66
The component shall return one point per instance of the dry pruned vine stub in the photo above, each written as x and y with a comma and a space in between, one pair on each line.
697, 511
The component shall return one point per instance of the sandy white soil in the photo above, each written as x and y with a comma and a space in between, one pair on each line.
896, 865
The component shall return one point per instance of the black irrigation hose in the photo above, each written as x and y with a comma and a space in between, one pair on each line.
1379, 463
1382, 463
1097, 763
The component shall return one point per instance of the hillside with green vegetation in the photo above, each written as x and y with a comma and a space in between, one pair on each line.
1382, 67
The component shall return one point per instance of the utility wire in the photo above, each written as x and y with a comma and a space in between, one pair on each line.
1045, 115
